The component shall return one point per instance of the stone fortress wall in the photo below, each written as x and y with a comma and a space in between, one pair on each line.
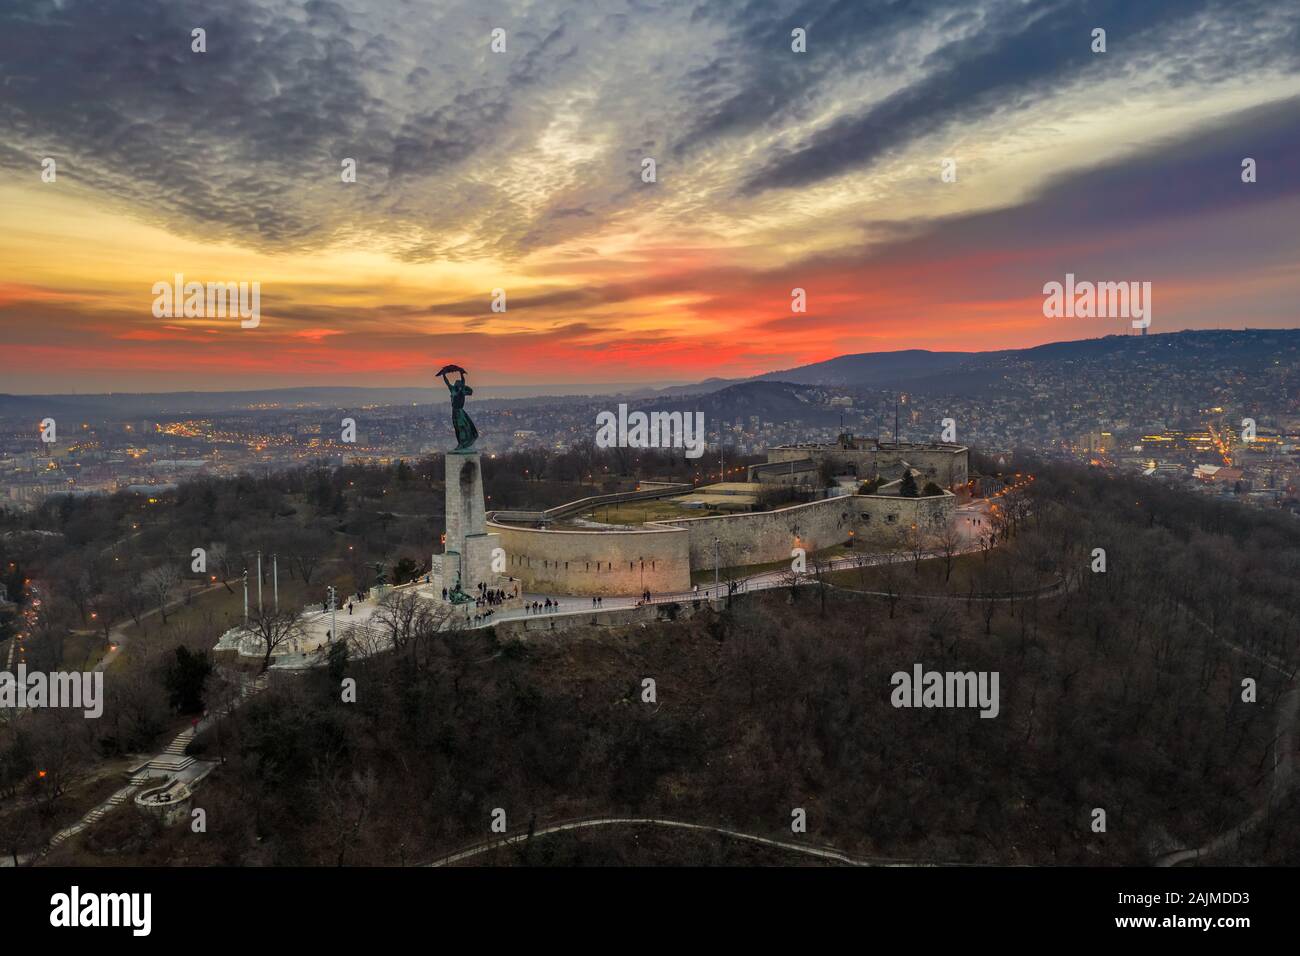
766, 537
945, 465
610, 562
662, 555
604, 562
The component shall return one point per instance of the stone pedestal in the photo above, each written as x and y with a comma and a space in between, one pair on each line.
469, 547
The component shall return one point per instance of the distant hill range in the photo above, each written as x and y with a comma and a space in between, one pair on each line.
864, 370
970, 373
769, 401
913, 370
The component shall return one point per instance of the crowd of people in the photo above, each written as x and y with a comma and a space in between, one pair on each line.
489, 597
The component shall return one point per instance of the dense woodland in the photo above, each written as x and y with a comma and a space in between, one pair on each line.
1120, 690
105, 559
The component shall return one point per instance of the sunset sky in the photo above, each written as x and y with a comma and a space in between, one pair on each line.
522, 170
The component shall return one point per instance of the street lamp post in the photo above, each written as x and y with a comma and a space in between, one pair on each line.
333, 617
245, 597
715, 567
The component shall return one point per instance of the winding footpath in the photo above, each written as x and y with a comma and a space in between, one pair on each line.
821, 852
117, 633
168, 760
1283, 767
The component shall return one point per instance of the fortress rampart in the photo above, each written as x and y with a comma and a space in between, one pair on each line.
601, 562
945, 465
661, 555
764, 537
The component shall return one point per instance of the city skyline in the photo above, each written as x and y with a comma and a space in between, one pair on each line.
521, 170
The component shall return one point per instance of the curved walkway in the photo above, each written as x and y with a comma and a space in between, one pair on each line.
761, 581
1283, 766
117, 633
169, 761
821, 852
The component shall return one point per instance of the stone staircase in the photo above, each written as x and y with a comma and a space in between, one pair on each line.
250, 687
94, 816
172, 760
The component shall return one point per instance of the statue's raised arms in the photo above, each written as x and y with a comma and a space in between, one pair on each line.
466, 433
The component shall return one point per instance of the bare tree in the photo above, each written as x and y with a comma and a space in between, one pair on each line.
219, 558
403, 615
862, 561
306, 551
274, 628
1001, 518
947, 539
350, 802
103, 609
1014, 510
77, 586
159, 583
821, 569
791, 579
134, 601
60, 748
916, 539
889, 580
989, 607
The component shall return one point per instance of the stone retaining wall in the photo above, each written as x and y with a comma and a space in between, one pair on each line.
766, 537
662, 555
585, 563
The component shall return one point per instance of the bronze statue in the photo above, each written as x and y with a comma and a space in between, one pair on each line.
466, 433
456, 595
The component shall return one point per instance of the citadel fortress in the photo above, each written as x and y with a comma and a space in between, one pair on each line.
559, 552
652, 539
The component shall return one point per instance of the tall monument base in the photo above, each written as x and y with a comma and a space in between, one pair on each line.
467, 558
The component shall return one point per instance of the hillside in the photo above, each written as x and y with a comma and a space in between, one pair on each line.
956, 373
1118, 690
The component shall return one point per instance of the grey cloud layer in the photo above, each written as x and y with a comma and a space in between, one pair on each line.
244, 143
1021, 53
